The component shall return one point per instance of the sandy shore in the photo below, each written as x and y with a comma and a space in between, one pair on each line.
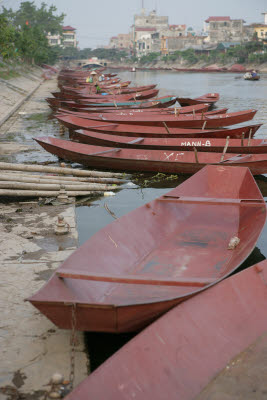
32, 348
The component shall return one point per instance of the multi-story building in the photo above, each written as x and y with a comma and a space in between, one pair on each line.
54, 40
224, 29
67, 39
69, 36
261, 31
122, 41
113, 42
147, 32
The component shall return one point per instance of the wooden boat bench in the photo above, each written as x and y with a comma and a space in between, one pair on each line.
211, 201
135, 279
236, 158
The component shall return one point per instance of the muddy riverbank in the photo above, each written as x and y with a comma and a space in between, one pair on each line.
32, 348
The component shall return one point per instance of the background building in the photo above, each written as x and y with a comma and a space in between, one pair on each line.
224, 29
67, 39
69, 36
122, 41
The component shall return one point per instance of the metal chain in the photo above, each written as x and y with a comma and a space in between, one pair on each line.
73, 342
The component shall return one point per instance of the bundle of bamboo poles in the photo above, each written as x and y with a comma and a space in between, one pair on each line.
21, 180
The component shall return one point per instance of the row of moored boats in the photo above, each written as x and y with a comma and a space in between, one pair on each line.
128, 128
165, 254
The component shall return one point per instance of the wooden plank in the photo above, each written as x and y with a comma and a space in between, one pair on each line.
210, 200
138, 140
101, 126
134, 279
106, 151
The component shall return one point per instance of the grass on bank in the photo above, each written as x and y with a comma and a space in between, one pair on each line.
4, 74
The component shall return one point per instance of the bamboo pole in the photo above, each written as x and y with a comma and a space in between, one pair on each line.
242, 139
249, 137
32, 179
58, 170
196, 156
225, 148
9, 175
203, 126
45, 193
52, 186
165, 125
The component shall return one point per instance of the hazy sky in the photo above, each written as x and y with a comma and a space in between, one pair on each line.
96, 21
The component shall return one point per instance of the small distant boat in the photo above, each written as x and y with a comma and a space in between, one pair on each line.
210, 346
251, 76
149, 260
133, 69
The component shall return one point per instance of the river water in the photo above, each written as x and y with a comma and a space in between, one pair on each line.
236, 94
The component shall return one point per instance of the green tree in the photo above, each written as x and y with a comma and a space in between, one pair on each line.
25, 31
44, 17
7, 39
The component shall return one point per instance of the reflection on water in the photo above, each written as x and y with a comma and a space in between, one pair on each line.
236, 94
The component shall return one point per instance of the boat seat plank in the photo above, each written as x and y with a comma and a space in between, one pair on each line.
138, 140
135, 279
101, 126
210, 200
106, 151
237, 158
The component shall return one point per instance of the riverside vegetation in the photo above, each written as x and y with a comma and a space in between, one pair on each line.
23, 39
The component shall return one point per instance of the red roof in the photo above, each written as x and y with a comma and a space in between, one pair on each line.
218, 19
145, 29
68, 28
177, 26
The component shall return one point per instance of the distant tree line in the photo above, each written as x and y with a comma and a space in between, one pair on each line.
23, 36
248, 52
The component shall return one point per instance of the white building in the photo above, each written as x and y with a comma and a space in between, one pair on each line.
67, 39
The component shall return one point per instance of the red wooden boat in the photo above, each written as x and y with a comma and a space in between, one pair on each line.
248, 146
98, 98
124, 90
72, 109
141, 265
159, 102
181, 121
186, 162
73, 123
210, 98
145, 108
146, 94
212, 346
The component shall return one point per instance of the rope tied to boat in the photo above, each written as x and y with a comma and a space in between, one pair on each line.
73, 344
